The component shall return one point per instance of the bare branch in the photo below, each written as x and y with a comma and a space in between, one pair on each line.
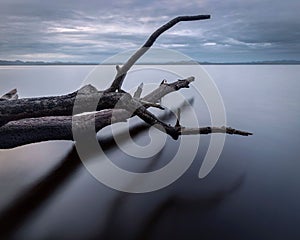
119, 78
209, 130
166, 88
178, 130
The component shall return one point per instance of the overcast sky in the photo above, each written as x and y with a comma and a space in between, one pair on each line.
90, 31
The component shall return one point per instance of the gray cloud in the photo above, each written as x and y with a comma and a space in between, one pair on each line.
93, 30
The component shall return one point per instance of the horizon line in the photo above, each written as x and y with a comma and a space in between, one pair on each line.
191, 62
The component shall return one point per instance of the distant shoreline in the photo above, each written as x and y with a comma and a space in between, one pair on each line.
40, 63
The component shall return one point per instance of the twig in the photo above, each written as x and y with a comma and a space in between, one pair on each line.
208, 130
138, 92
11, 95
178, 118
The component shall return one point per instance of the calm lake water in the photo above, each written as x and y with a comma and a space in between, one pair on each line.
252, 193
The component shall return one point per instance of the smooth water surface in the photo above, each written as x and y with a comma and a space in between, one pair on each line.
252, 193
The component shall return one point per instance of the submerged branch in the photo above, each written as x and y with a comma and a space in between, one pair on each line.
33, 130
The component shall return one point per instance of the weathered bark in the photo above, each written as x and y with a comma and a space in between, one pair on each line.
11, 110
32, 130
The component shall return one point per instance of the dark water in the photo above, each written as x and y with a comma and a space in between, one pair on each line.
252, 193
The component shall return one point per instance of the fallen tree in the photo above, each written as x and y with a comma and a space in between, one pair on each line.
30, 120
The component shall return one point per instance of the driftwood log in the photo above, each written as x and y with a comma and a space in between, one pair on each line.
31, 120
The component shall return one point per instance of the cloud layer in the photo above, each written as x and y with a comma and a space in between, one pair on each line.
93, 30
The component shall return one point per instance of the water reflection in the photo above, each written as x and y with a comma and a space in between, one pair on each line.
68, 203
31, 199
